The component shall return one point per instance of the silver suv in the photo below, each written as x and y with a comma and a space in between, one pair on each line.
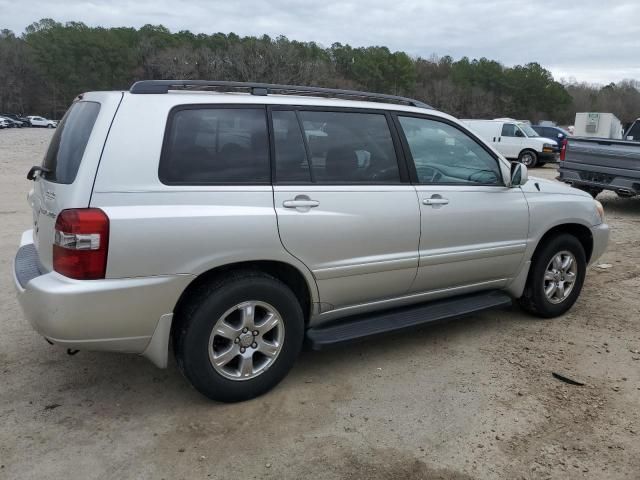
237, 221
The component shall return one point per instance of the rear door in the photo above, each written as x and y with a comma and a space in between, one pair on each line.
344, 204
474, 228
69, 166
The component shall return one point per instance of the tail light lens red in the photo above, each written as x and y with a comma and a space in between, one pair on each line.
563, 150
81, 243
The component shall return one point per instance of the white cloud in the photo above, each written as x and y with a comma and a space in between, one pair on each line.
590, 40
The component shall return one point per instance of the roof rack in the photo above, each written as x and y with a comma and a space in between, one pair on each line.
163, 86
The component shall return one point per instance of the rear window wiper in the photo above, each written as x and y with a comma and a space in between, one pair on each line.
37, 169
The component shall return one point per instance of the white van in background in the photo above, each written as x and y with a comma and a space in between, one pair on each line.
516, 140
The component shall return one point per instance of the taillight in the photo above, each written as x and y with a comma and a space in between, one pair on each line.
81, 243
563, 150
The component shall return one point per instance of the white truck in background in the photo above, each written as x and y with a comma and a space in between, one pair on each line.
597, 125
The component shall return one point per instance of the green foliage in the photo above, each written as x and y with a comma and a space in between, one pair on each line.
42, 70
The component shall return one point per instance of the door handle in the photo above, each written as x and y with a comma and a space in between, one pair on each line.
300, 203
435, 201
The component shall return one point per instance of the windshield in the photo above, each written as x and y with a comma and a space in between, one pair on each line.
528, 131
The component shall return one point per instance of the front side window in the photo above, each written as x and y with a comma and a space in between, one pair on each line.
334, 148
509, 130
216, 146
443, 154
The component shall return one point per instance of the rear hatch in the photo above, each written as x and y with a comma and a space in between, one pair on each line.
69, 166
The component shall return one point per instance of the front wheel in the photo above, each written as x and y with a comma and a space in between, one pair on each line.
239, 336
555, 280
528, 158
49, 126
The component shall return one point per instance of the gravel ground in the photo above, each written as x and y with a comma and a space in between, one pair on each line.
470, 399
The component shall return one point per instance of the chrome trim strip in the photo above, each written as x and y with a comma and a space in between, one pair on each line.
438, 257
365, 268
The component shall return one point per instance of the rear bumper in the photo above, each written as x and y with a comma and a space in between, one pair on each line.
604, 181
600, 234
111, 314
548, 157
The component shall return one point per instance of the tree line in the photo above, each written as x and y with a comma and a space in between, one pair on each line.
45, 67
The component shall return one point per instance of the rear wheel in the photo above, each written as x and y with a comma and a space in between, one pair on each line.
529, 158
556, 277
239, 336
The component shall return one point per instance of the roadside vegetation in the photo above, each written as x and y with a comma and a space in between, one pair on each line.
45, 67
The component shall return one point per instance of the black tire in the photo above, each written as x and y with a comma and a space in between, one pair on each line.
528, 158
534, 299
197, 318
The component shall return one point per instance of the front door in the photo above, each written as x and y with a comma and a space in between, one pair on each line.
345, 207
474, 228
510, 140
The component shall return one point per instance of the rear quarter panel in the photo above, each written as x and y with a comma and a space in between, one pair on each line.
159, 229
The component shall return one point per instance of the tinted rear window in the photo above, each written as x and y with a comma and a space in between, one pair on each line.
69, 142
216, 146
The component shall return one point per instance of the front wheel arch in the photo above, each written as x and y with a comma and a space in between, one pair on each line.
582, 233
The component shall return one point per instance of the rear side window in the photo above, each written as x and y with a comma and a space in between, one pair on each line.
334, 148
292, 165
215, 146
69, 142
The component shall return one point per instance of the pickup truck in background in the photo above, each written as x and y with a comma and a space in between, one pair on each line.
597, 164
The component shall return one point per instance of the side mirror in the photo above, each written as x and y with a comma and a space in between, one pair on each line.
519, 133
519, 174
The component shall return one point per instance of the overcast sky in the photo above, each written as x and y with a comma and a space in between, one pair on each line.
590, 40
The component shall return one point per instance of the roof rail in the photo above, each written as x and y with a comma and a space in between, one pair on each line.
163, 86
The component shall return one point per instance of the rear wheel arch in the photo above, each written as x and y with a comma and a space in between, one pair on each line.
288, 274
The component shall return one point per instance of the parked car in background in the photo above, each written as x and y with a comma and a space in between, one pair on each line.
552, 132
597, 164
22, 120
4, 123
516, 141
14, 123
42, 122
326, 220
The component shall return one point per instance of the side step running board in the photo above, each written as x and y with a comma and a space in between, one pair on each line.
358, 327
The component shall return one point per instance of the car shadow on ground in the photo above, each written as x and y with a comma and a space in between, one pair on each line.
132, 380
